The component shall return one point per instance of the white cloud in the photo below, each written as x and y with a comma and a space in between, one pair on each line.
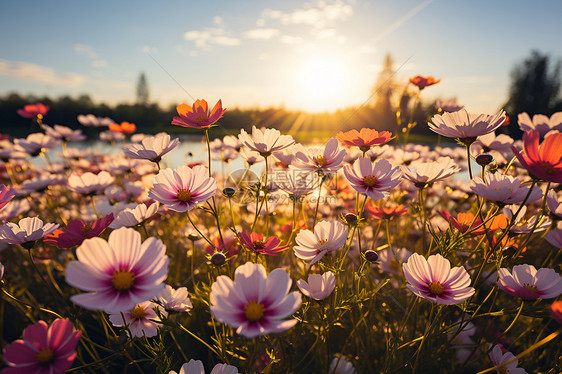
319, 15
99, 63
260, 23
288, 39
217, 20
210, 36
85, 50
41, 74
148, 49
261, 33
224, 40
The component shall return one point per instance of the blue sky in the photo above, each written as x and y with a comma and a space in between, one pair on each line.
314, 55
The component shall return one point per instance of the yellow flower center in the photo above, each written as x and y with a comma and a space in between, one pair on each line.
184, 195
370, 180
436, 288
322, 241
123, 279
44, 356
321, 161
138, 312
253, 310
531, 288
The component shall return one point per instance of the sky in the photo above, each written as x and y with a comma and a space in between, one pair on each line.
317, 55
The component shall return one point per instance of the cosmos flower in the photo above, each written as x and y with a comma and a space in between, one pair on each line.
500, 359
503, 189
542, 161
434, 280
141, 320
27, 231
123, 128
364, 139
555, 310
90, 183
465, 222
554, 237
257, 243
255, 303
251, 157
423, 82
318, 286
63, 133
151, 147
44, 349
296, 182
77, 231
90, 120
36, 143
373, 179
448, 105
328, 236
465, 126
34, 110
430, 172
183, 188
265, 141
540, 123
553, 204
384, 212
528, 283
198, 115
175, 300
118, 273
196, 367
132, 217
341, 365
6, 194
389, 263
328, 160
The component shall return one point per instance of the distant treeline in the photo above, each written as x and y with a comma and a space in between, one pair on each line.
152, 118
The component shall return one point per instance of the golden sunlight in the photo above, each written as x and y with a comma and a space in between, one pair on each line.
323, 82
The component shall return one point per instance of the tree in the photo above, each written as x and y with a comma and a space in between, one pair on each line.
142, 91
535, 85
382, 95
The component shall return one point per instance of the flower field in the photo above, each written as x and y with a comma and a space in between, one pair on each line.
361, 254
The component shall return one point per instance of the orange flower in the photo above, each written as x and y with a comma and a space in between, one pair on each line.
124, 127
423, 82
386, 213
556, 310
365, 139
198, 115
542, 161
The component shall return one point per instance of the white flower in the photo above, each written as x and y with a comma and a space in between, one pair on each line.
141, 320
318, 286
151, 147
90, 183
499, 358
196, 367
132, 217
430, 172
175, 300
462, 125
27, 230
265, 141
328, 236
341, 365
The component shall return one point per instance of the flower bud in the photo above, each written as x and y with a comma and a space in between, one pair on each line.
218, 259
193, 237
509, 251
371, 255
228, 192
350, 218
484, 159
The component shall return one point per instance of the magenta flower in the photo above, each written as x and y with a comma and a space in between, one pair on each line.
183, 188
434, 280
28, 230
255, 303
256, 242
77, 231
373, 179
44, 349
118, 273
528, 283
33, 110
6, 194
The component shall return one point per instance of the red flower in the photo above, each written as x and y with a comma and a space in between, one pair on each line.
386, 213
423, 82
77, 231
124, 127
541, 161
256, 243
33, 110
230, 248
198, 115
365, 139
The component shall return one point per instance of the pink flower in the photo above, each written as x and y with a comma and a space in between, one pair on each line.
255, 304
431, 172
33, 110
196, 367
151, 147
198, 115
28, 230
118, 273
89, 120
373, 179
318, 286
77, 231
462, 125
448, 105
328, 236
36, 143
541, 123
542, 161
6, 194
265, 141
327, 160
90, 183
256, 242
63, 133
141, 320
528, 283
183, 188
132, 217
503, 189
434, 280
500, 359
553, 204
175, 300
44, 349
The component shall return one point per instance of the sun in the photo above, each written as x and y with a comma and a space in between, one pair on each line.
323, 82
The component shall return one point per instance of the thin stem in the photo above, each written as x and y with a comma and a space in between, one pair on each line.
318, 201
